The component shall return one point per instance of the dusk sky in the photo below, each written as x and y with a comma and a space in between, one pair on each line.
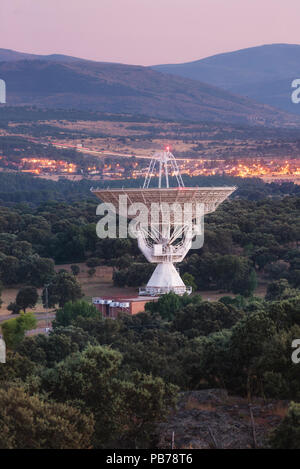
146, 32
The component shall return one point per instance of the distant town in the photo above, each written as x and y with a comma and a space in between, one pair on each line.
115, 165
270, 170
116, 147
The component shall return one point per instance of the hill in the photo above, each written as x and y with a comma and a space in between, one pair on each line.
131, 89
9, 55
262, 73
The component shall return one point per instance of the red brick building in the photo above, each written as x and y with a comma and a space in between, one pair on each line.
112, 307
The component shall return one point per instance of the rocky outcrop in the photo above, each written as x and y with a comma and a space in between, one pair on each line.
212, 419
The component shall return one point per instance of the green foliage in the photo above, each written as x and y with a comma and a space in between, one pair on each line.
247, 304
285, 313
46, 350
124, 262
277, 270
206, 360
63, 288
275, 372
135, 275
9, 270
234, 274
287, 435
205, 318
93, 262
28, 422
226, 272
27, 298
134, 403
75, 269
14, 329
264, 234
28, 268
280, 290
146, 400
246, 344
36, 270
70, 311
239, 301
17, 367
123, 371
248, 335
14, 308
168, 304
104, 332
189, 281
130, 360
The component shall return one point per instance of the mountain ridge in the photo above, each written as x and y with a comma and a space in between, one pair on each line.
10, 55
112, 87
262, 73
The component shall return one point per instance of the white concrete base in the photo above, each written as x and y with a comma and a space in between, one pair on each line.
165, 279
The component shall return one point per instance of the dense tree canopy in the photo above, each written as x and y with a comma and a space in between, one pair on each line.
113, 380
14, 329
28, 422
27, 298
287, 435
136, 362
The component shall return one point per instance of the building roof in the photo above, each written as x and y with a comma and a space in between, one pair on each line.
131, 299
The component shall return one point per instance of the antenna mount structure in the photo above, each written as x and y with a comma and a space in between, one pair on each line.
167, 165
167, 240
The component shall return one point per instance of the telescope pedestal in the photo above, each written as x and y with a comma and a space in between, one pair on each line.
165, 279
173, 216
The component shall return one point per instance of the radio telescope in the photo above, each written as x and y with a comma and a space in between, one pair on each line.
167, 236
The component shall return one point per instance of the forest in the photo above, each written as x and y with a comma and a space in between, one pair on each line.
23, 188
246, 238
102, 383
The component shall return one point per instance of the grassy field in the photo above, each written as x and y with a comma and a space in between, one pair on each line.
101, 285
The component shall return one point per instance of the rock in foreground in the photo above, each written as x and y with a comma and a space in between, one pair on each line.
211, 419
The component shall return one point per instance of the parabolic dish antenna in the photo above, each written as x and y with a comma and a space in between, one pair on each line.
166, 237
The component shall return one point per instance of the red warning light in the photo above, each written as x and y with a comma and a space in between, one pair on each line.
167, 148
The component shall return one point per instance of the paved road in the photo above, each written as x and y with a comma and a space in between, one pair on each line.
111, 152
39, 316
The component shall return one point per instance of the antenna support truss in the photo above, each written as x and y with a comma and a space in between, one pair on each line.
164, 164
